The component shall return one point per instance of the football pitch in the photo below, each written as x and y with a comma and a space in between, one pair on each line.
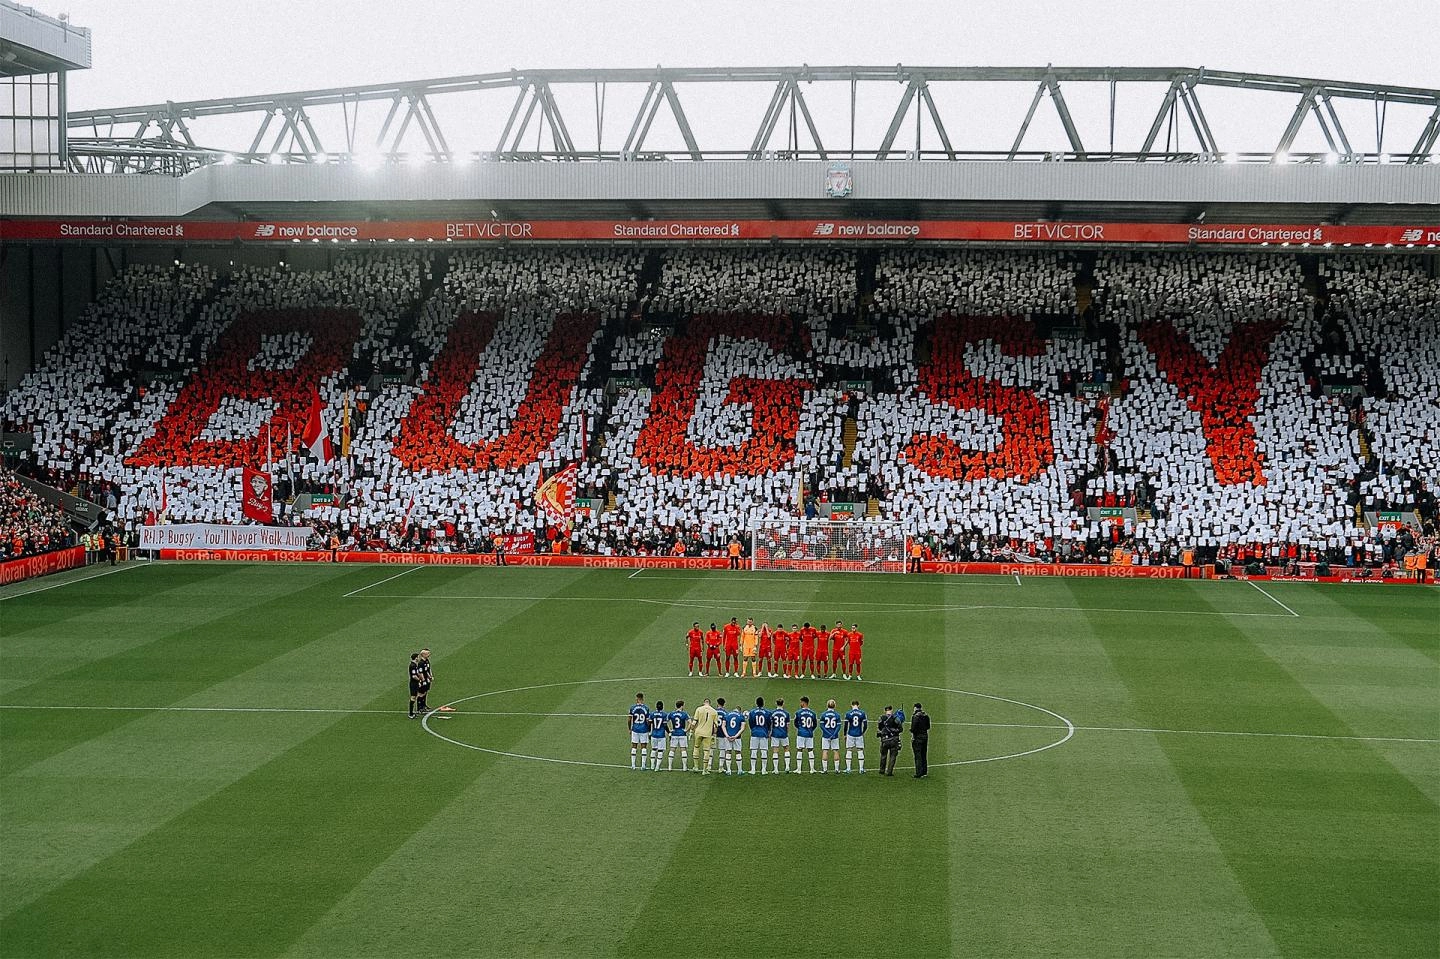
215, 760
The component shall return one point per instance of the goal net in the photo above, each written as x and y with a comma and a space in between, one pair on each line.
848, 546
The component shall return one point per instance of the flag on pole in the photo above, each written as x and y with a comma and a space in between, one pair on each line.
255, 496
164, 497
316, 437
270, 449
345, 428
556, 496
289, 459
405, 526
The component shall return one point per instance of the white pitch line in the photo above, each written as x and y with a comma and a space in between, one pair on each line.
1238, 732
1273, 599
1195, 732
708, 602
1017, 580
549, 715
211, 709
636, 573
382, 582
71, 582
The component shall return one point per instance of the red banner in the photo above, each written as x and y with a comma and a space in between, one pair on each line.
255, 496
519, 542
16, 570
1072, 570
496, 231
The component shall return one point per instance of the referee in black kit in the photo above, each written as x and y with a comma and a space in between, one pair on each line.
920, 740
419, 682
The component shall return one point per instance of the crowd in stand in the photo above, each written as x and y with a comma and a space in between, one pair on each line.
28, 524
1124, 406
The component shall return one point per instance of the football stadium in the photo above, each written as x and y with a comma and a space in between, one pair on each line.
1058, 446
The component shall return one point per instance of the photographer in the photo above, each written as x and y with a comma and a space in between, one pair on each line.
889, 731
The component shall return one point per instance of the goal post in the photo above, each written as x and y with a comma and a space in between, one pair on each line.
832, 546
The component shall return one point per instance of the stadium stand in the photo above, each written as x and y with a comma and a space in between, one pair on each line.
28, 525
1119, 405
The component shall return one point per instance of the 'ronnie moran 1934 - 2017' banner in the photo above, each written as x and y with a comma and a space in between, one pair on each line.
213, 536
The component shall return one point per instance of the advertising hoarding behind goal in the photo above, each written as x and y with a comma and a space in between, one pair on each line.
831, 546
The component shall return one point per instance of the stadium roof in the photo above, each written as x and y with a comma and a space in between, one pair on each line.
31, 42
1329, 151
1087, 114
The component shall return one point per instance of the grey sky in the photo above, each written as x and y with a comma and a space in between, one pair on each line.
155, 50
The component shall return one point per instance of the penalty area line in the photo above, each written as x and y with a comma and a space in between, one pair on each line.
382, 582
727, 603
1273, 599
785, 578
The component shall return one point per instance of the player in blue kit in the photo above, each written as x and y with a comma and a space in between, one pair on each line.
829, 737
659, 728
759, 719
779, 735
733, 726
639, 723
723, 741
805, 724
856, 722
679, 721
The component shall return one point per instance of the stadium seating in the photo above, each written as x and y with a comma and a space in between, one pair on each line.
28, 524
977, 440
1217, 415
989, 400
1389, 310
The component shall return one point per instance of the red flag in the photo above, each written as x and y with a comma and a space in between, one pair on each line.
556, 496
255, 496
316, 437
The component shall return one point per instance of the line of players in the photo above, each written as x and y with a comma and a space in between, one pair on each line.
802, 650
657, 734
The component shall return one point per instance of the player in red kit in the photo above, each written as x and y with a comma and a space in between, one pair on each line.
856, 644
712, 648
766, 639
822, 650
732, 646
808, 635
782, 644
792, 651
697, 640
839, 640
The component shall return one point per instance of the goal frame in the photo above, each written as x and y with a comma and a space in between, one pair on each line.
885, 537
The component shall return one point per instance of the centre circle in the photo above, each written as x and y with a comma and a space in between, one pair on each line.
1066, 727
